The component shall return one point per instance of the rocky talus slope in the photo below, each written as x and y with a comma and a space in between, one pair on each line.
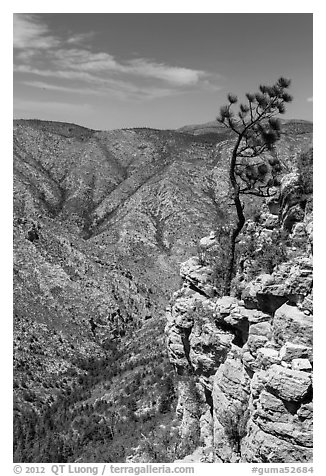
244, 362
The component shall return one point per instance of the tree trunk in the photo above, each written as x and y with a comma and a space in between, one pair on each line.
233, 236
240, 223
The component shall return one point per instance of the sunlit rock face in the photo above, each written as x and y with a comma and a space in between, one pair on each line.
248, 360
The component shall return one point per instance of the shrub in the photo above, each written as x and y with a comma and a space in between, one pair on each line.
262, 250
235, 426
305, 169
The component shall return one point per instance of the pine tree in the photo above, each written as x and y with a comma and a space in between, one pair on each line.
257, 129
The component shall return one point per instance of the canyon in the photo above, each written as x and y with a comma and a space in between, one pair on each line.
108, 225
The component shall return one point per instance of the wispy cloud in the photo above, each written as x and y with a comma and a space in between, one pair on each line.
85, 60
29, 33
60, 88
109, 86
80, 38
171, 74
41, 54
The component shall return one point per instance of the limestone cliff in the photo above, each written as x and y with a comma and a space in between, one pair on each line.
245, 361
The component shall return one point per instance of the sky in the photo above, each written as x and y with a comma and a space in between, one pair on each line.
110, 70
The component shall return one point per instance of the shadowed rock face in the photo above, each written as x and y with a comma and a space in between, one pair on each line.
102, 222
251, 356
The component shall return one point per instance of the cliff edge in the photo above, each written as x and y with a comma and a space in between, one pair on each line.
245, 362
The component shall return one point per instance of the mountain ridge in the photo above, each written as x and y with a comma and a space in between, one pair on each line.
102, 221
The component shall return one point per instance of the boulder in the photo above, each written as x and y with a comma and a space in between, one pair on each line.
261, 329
209, 241
266, 357
287, 384
291, 324
290, 281
305, 411
254, 316
273, 417
290, 351
199, 276
261, 447
249, 294
301, 364
209, 347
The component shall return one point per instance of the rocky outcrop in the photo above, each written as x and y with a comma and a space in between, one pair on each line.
245, 362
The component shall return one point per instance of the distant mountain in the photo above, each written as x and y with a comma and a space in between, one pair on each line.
215, 127
212, 127
102, 221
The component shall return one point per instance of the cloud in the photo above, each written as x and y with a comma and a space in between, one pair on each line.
105, 87
30, 33
61, 74
87, 61
41, 54
60, 88
80, 38
172, 74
